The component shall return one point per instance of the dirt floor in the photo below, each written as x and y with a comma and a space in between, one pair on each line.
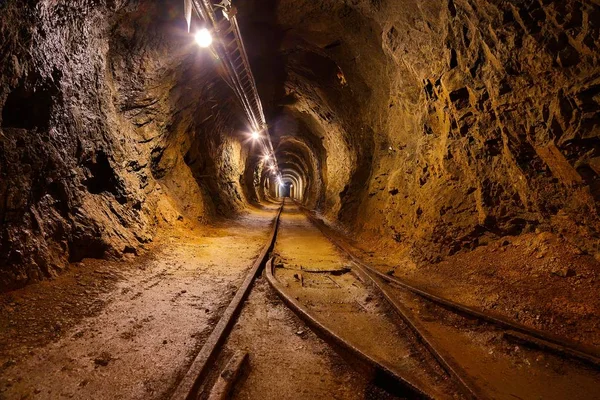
537, 279
127, 329
498, 367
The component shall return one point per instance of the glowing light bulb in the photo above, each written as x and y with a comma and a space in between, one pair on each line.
203, 38
266, 157
255, 135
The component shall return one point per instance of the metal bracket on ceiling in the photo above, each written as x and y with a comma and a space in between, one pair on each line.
229, 47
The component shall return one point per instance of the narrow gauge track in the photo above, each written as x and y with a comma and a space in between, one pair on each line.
187, 389
534, 337
468, 349
491, 356
340, 305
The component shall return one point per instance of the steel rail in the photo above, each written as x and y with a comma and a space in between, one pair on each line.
190, 384
534, 337
465, 383
372, 361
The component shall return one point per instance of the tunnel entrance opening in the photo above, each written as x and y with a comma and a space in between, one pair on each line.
286, 189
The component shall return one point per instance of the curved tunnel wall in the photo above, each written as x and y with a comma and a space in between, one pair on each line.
133, 131
425, 128
438, 126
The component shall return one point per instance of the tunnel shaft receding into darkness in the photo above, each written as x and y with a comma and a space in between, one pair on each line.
446, 148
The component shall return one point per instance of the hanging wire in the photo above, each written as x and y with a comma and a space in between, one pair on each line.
229, 47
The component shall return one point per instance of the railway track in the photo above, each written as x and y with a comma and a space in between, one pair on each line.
412, 343
203, 362
472, 345
534, 337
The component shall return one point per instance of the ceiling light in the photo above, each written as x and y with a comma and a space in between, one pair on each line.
255, 135
266, 157
203, 38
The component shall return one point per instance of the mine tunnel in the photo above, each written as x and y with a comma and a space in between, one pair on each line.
299, 199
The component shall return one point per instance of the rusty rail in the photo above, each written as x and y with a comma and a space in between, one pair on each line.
534, 337
193, 379
373, 362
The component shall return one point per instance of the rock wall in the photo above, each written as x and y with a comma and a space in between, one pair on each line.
448, 123
112, 123
425, 128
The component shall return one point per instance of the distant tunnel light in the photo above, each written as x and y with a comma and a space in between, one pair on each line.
203, 38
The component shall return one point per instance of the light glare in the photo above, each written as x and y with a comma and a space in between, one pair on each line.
203, 38
255, 135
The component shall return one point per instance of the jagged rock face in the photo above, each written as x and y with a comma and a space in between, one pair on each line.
113, 122
425, 128
445, 123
